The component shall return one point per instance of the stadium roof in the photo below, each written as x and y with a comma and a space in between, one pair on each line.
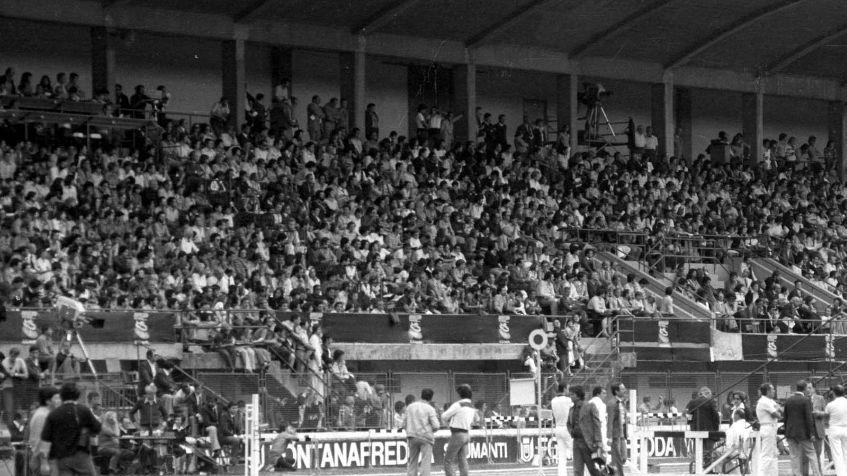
798, 47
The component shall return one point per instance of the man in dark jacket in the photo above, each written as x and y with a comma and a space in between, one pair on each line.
800, 431
586, 433
705, 416
65, 430
616, 418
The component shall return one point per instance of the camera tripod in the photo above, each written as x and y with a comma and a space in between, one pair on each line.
593, 122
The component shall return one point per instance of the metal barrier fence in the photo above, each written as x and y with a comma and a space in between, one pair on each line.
232, 386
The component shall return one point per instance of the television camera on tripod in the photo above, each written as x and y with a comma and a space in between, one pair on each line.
592, 97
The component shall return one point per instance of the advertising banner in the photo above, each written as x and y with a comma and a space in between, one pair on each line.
120, 326
426, 328
376, 452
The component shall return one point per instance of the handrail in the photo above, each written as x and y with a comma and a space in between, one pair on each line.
199, 385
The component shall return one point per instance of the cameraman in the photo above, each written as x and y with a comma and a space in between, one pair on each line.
68, 430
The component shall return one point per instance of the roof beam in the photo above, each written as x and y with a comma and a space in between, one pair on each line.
787, 60
512, 19
604, 35
251, 12
107, 4
730, 30
383, 17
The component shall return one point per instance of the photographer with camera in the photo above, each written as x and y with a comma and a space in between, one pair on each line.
68, 430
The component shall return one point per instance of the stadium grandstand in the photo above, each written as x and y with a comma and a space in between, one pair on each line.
335, 205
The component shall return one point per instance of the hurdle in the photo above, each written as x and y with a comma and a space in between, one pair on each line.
637, 439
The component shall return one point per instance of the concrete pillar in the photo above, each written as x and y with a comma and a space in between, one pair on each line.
567, 86
752, 124
684, 124
662, 114
282, 67
234, 79
102, 60
464, 101
837, 127
353, 84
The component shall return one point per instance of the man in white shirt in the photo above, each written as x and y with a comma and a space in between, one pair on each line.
599, 400
768, 413
837, 432
561, 406
738, 433
420, 422
48, 400
459, 418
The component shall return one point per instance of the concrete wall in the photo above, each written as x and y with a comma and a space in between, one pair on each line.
713, 111
386, 86
191, 68
42, 49
315, 72
796, 117
257, 58
503, 91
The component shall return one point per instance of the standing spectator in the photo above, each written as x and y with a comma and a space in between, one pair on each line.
617, 428
17, 435
837, 412
46, 353
561, 406
315, 119
819, 414
434, 121
422, 123
282, 90
146, 371
149, 413
219, 116
459, 417
768, 414
68, 430
121, 100
138, 102
705, 416
344, 115
501, 131
165, 386
800, 431
585, 426
371, 120
399, 414
14, 368
447, 123
48, 400
289, 119
332, 117
34, 376
420, 422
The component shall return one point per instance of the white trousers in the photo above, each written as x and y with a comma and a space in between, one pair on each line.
838, 445
767, 455
564, 448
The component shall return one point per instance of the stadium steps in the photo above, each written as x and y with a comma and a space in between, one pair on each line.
716, 272
602, 362
763, 268
683, 305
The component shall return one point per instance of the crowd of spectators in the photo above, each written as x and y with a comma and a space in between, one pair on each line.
267, 217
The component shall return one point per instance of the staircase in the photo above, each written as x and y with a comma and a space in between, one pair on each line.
683, 305
764, 268
603, 363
